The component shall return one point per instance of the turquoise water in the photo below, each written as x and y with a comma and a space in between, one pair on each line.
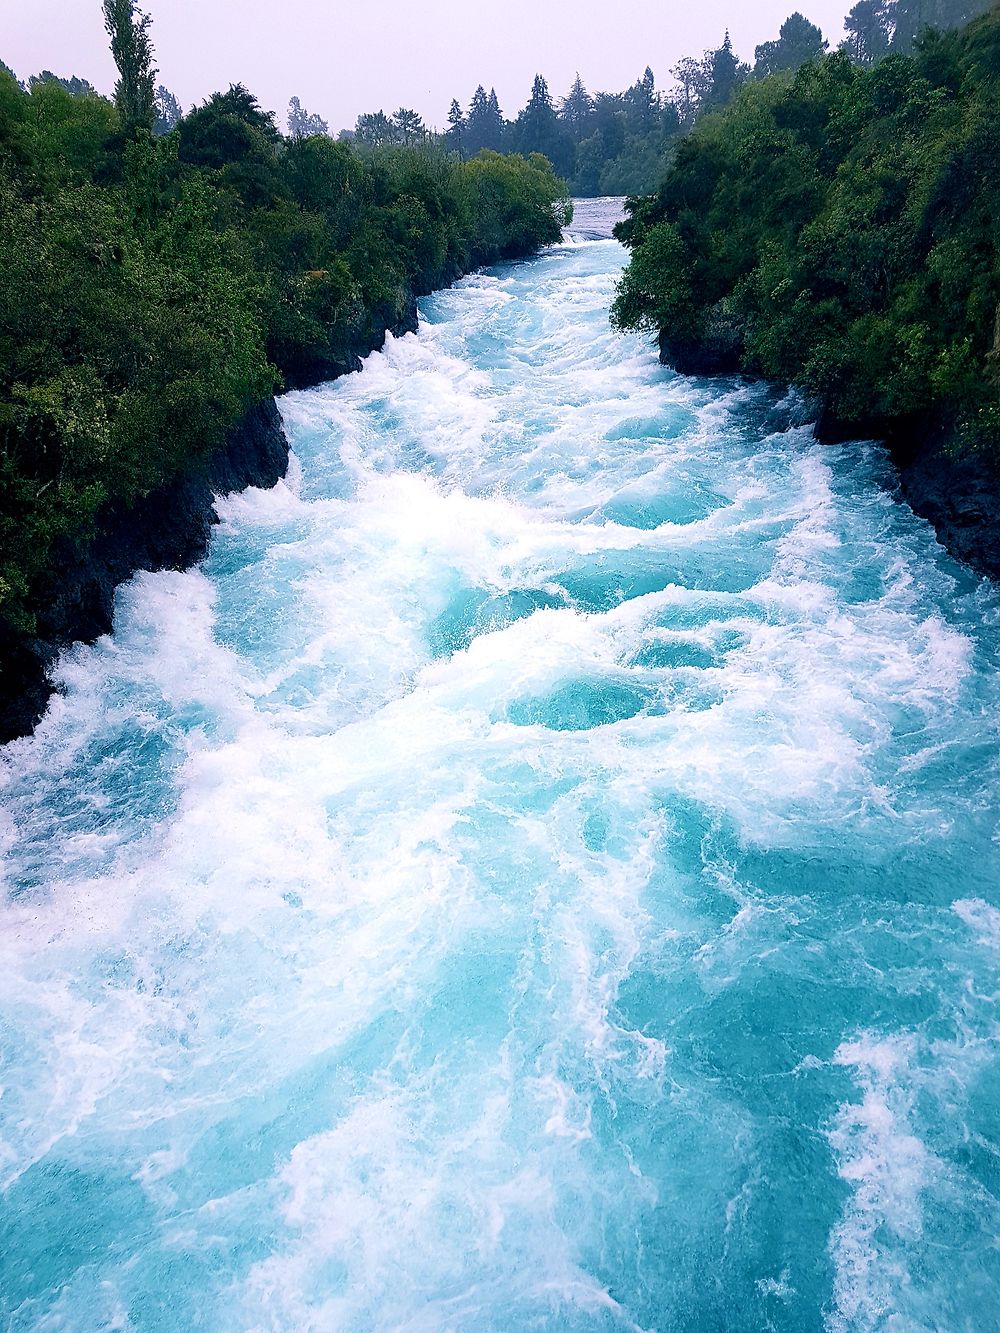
540, 872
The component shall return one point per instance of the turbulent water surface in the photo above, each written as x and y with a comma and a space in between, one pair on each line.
539, 873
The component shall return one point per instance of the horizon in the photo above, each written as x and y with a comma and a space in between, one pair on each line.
259, 49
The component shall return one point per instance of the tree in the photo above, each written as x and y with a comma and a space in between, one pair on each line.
375, 130
76, 87
869, 27
168, 111
494, 122
726, 74
409, 127
642, 103
302, 125
577, 109
231, 134
455, 134
484, 126
132, 48
537, 130
694, 82
799, 41
865, 272
913, 17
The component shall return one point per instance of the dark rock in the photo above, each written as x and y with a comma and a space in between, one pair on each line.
303, 372
959, 493
957, 490
832, 428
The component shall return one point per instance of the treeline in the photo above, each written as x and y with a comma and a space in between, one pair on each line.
838, 229
621, 143
153, 289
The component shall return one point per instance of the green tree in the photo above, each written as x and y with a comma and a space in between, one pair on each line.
132, 48
694, 83
409, 127
642, 103
484, 125
576, 109
913, 17
494, 122
837, 230
537, 130
725, 74
375, 130
76, 87
798, 42
455, 134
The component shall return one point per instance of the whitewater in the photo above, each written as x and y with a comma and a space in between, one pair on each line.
539, 872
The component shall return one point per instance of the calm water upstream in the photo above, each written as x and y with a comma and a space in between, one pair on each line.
541, 872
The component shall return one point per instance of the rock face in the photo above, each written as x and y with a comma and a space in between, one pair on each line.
960, 496
368, 336
167, 529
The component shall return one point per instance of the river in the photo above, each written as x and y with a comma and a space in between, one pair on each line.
540, 872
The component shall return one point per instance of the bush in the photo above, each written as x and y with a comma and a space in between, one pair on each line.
845, 220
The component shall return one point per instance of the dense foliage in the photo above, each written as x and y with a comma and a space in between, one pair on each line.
839, 229
153, 288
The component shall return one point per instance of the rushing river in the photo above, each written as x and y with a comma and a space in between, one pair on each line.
541, 872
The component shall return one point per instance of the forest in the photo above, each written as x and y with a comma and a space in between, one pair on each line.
162, 274
837, 228
621, 143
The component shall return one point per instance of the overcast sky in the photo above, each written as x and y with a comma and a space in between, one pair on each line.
342, 57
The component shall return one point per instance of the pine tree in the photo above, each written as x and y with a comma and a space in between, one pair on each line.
132, 48
455, 135
537, 122
478, 125
75, 86
537, 130
726, 73
642, 103
494, 122
577, 109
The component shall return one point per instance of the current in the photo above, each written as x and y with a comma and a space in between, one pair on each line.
540, 872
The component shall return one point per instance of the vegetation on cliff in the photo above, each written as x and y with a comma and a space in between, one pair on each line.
156, 287
838, 229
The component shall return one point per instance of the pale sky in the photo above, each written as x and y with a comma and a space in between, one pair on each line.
343, 57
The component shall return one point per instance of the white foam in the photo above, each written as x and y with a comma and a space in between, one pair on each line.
354, 838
